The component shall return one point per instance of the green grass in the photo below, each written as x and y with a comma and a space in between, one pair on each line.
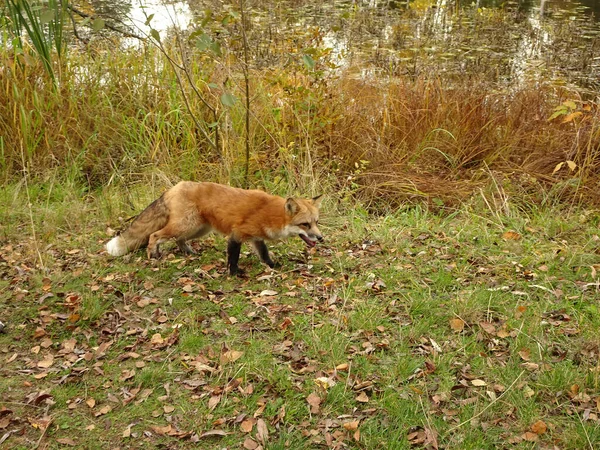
376, 301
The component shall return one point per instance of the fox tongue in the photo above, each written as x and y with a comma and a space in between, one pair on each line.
308, 241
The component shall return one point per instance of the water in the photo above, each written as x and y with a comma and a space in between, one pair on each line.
511, 42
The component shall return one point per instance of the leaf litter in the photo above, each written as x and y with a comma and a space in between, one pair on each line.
136, 337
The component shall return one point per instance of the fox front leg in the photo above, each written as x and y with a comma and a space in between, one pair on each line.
263, 252
233, 256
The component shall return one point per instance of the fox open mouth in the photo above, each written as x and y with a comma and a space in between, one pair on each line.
309, 241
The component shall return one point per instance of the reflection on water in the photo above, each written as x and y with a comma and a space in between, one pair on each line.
510, 41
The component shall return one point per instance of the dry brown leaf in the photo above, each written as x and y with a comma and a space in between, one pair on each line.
161, 430
168, 409
213, 401
315, 402
362, 397
488, 327
156, 339
46, 362
250, 444
90, 402
352, 426
127, 375
478, 383
457, 324
342, 367
230, 356
530, 436
267, 293
66, 441
525, 354
246, 426
539, 427
511, 236
104, 410
214, 433
262, 432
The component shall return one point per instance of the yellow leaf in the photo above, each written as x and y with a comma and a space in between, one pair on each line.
572, 165
557, 167
572, 116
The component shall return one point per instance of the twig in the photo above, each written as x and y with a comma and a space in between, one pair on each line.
30, 209
489, 405
106, 25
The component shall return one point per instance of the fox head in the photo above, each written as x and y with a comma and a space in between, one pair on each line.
304, 218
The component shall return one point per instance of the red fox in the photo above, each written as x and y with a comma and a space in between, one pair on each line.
190, 210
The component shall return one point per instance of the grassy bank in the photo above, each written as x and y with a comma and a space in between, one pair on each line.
471, 330
118, 117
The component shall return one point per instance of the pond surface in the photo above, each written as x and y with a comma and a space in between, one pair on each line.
511, 42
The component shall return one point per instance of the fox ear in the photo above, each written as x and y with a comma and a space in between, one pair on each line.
291, 206
317, 200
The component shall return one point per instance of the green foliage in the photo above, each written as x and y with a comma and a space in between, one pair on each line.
42, 22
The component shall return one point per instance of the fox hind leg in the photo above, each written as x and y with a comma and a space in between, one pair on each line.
183, 238
157, 238
263, 252
185, 247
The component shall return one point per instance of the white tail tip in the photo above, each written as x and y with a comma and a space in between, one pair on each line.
116, 246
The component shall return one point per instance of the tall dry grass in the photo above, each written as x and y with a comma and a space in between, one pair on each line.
117, 116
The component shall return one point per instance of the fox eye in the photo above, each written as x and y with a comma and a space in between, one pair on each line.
305, 224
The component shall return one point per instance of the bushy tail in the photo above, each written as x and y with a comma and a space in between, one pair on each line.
152, 219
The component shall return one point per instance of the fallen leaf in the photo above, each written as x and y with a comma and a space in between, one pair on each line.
352, 426
362, 397
457, 324
525, 354
66, 441
104, 410
90, 402
511, 236
478, 382
213, 401
539, 427
168, 409
213, 433
246, 426
314, 401
250, 444
46, 362
488, 327
267, 292
127, 375
262, 432
156, 339
530, 436
230, 356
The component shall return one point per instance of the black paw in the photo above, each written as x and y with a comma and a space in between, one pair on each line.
236, 272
